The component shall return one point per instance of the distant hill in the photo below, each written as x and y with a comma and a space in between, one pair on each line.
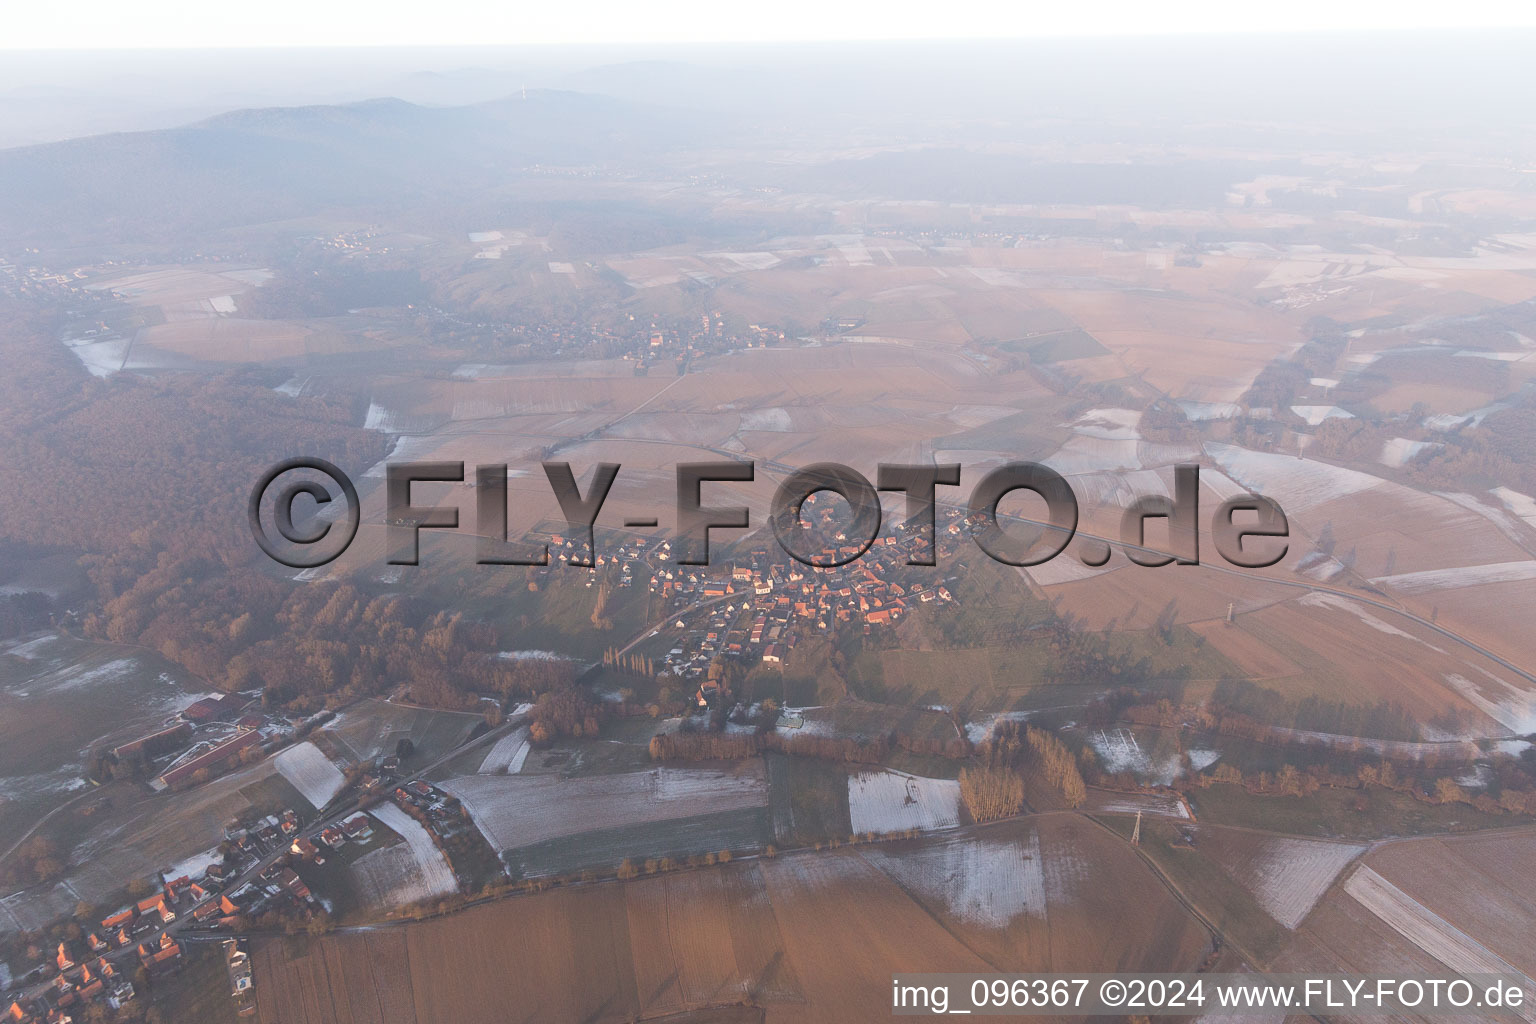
254, 166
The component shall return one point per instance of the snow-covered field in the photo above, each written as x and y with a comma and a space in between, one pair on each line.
27, 650
1288, 876
775, 419
890, 801
1316, 414
1505, 703
102, 358
405, 873
982, 882
1111, 424
517, 810
1104, 802
1459, 576
1221, 485
507, 756
1201, 411
1119, 751
1520, 504
744, 260
311, 773
1423, 927
78, 678
476, 371
1083, 453
1319, 599
1397, 452
1297, 484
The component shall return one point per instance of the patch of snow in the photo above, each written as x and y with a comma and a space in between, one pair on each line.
1119, 751
1199, 412
773, 419
1139, 803
378, 418
507, 755
1423, 927
1337, 602
27, 649
982, 882
746, 260
196, 866
1522, 505
981, 729
1502, 357
1397, 452
513, 811
1297, 484
1085, 454
1289, 876
1109, 424
1475, 776
1320, 567
1200, 760
105, 672
891, 801
397, 875
311, 773
1317, 414
1457, 577
1511, 707
475, 371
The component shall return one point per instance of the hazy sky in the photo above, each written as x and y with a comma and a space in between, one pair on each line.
112, 24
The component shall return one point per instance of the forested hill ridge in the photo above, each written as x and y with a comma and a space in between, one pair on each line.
259, 166
146, 479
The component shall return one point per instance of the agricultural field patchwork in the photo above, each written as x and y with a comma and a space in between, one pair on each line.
808, 937
517, 811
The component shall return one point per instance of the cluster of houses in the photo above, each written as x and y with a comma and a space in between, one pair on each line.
356, 829
760, 610
87, 975
22, 277
621, 560
440, 808
642, 342
248, 844
92, 981
150, 914
277, 888
439, 813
